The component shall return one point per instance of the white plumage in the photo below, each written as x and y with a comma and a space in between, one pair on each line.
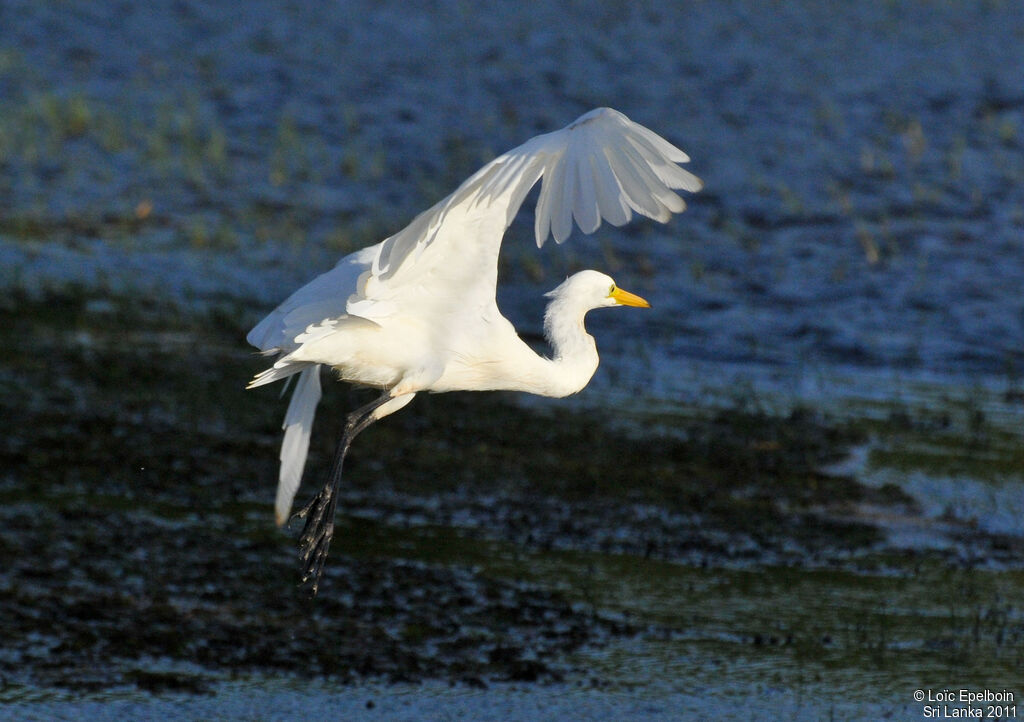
417, 311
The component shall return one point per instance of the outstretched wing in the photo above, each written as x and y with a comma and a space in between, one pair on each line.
603, 166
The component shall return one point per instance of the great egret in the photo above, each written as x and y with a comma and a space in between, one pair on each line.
417, 311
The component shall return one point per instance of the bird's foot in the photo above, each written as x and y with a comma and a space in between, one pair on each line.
304, 511
314, 556
316, 536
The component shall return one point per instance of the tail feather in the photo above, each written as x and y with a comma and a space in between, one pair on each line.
298, 424
280, 370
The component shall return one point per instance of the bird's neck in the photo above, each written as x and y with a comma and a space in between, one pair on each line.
575, 353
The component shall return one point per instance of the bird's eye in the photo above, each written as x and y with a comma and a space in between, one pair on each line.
611, 290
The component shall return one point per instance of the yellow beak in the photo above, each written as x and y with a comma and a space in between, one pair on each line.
625, 298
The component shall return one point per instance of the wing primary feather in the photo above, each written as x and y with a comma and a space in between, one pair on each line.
563, 182
659, 189
668, 172
660, 146
561, 212
639, 191
611, 203
585, 207
542, 213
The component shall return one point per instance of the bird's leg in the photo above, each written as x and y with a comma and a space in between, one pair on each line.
319, 529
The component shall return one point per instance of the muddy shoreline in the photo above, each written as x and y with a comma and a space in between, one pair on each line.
138, 549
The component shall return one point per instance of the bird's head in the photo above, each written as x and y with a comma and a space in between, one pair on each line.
593, 289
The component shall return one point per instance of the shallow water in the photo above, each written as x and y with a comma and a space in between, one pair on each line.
740, 584
794, 489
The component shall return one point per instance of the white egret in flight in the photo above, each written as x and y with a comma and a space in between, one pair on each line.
417, 311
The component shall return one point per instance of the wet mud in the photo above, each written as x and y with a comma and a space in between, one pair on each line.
137, 546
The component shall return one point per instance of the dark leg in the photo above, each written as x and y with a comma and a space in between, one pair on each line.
319, 529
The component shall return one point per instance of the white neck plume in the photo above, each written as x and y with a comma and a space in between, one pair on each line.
575, 353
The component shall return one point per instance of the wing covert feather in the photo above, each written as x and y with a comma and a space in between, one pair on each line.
322, 298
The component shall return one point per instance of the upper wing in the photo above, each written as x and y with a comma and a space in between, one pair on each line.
602, 166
